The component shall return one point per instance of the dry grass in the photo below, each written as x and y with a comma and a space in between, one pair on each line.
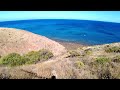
115, 49
89, 62
79, 64
20, 41
98, 64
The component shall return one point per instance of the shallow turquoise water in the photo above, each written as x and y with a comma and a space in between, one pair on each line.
79, 31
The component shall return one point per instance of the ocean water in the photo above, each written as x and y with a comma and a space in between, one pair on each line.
78, 31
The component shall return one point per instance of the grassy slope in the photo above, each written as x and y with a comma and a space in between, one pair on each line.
93, 62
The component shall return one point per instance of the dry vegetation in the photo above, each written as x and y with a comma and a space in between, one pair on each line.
52, 59
98, 62
22, 42
15, 59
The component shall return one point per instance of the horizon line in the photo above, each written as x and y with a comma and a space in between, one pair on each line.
59, 19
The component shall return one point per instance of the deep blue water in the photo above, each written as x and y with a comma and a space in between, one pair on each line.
79, 31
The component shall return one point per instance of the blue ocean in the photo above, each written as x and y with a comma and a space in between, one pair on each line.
78, 31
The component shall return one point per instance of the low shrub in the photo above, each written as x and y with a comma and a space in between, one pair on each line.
79, 64
45, 54
116, 59
88, 52
73, 54
102, 60
35, 56
115, 49
13, 59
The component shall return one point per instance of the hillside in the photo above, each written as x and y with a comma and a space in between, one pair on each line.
85, 62
21, 41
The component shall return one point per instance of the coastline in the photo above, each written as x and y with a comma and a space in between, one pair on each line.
71, 45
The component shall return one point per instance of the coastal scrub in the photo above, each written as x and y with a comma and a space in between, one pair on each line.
110, 49
15, 59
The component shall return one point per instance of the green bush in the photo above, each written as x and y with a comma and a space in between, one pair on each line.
115, 49
116, 59
102, 60
35, 56
13, 59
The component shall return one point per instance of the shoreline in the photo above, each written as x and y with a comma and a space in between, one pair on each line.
75, 45
71, 45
